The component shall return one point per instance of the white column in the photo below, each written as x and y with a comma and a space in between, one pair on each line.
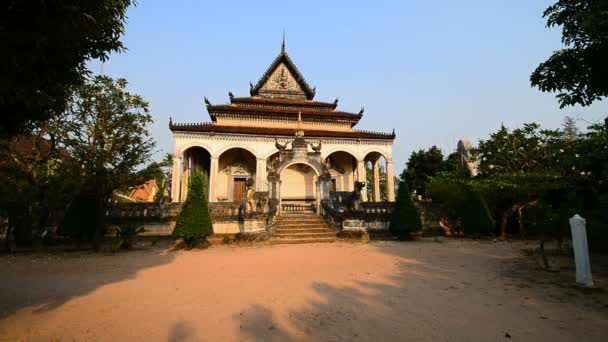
377, 180
390, 181
260, 175
185, 167
176, 175
361, 178
213, 169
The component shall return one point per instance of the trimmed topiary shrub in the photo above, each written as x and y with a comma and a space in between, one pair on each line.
476, 217
194, 221
405, 219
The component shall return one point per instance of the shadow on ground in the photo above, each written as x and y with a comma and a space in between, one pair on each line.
425, 302
75, 274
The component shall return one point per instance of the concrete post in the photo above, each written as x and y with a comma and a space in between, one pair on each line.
581, 252
377, 180
213, 170
390, 181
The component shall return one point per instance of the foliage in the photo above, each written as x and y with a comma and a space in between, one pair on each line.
526, 149
405, 219
107, 136
194, 221
464, 208
38, 179
79, 220
421, 166
579, 71
47, 45
126, 235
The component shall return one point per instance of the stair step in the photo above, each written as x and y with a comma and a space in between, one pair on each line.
296, 241
303, 226
302, 230
304, 236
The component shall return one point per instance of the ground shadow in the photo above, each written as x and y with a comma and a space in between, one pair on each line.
181, 331
74, 274
420, 301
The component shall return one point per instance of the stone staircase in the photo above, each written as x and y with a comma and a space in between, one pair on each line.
302, 228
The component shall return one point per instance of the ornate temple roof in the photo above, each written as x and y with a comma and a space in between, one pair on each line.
287, 132
281, 94
282, 79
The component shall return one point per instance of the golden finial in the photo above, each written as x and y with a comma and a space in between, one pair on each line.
300, 121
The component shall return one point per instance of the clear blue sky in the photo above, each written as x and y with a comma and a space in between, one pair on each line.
434, 71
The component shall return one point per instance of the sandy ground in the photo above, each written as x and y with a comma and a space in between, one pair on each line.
384, 291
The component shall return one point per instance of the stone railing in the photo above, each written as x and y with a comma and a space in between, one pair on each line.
337, 213
137, 212
232, 211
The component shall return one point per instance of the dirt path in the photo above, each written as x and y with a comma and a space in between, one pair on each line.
423, 291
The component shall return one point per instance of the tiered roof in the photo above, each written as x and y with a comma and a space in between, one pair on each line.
281, 93
279, 132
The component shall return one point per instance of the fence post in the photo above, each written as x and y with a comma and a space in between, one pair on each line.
581, 251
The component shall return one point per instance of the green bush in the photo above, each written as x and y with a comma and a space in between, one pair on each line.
476, 216
79, 220
194, 222
405, 219
126, 235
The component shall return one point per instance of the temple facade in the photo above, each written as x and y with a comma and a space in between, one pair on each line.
283, 144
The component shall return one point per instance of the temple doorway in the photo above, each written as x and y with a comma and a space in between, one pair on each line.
298, 188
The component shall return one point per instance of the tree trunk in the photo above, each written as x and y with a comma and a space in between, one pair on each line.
542, 254
505, 220
35, 229
10, 240
99, 222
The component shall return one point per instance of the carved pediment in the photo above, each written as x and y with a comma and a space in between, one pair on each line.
281, 80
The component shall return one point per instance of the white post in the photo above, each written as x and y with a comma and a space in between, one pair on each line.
581, 252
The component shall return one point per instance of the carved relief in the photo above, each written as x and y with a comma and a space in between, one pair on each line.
281, 81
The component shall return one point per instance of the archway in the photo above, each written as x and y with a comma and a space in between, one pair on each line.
235, 167
194, 157
342, 167
298, 187
376, 177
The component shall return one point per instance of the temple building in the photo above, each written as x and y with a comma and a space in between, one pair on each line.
280, 142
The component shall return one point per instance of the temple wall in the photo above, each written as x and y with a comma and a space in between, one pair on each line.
261, 147
298, 182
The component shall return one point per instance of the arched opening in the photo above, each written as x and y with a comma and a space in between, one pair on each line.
194, 157
298, 187
342, 169
235, 167
376, 177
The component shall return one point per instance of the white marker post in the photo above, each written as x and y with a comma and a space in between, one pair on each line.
581, 252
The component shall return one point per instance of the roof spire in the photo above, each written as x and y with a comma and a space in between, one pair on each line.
283, 44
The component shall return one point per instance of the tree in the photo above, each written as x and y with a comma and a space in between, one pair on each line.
108, 136
405, 219
46, 47
38, 179
194, 221
421, 166
579, 71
